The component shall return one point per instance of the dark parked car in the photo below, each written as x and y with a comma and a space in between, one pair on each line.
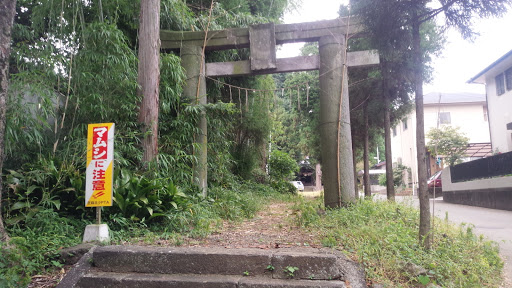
435, 182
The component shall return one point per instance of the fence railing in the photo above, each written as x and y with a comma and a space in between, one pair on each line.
494, 166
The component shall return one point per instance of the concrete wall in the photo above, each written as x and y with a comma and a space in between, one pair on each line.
500, 109
493, 193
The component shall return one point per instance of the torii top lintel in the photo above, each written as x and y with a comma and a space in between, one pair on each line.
239, 37
262, 40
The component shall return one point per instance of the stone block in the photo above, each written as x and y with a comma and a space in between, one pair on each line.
123, 280
279, 283
176, 260
311, 265
71, 255
96, 233
263, 47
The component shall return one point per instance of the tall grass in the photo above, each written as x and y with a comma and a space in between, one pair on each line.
383, 236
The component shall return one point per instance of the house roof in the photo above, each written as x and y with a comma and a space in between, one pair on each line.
478, 78
479, 150
452, 98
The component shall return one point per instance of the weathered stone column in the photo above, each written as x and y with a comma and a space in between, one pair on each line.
332, 59
192, 62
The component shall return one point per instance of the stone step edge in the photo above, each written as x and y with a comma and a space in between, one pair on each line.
354, 273
114, 280
319, 263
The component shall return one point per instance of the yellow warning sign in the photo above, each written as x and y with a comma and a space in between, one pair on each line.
99, 173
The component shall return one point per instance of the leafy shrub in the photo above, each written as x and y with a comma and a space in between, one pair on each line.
141, 199
46, 184
35, 245
236, 203
283, 187
12, 274
307, 212
397, 176
282, 166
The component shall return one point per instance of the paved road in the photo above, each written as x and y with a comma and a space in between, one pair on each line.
494, 224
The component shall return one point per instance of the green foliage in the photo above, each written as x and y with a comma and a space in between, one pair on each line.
31, 113
296, 115
250, 135
449, 142
283, 186
34, 246
221, 162
141, 199
290, 271
239, 201
282, 166
383, 236
12, 274
307, 214
388, 87
397, 176
46, 184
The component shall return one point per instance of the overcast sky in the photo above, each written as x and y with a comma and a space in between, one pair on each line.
460, 59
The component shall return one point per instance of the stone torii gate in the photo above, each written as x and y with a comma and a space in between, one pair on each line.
336, 150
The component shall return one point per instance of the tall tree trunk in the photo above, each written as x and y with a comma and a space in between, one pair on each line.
366, 152
7, 12
354, 152
420, 136
149, 76
390, 187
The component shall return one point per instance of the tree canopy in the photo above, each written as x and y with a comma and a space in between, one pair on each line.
448, 142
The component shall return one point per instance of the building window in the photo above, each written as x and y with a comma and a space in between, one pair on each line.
404, 123
394, 131
486, 114
500, 84
444, 118
508, 78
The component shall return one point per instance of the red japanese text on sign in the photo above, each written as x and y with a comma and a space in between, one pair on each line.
99, 141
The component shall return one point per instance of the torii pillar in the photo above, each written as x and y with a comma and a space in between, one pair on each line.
337, 162
192, 61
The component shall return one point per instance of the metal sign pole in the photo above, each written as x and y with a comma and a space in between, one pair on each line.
98, 215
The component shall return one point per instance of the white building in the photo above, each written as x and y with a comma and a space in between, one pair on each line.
498, 86
465, 110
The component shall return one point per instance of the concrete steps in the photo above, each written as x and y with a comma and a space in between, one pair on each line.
134, 266
121, 280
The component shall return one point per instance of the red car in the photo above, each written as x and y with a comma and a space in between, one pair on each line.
435, 181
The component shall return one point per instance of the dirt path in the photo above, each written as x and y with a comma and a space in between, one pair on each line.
273, 227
